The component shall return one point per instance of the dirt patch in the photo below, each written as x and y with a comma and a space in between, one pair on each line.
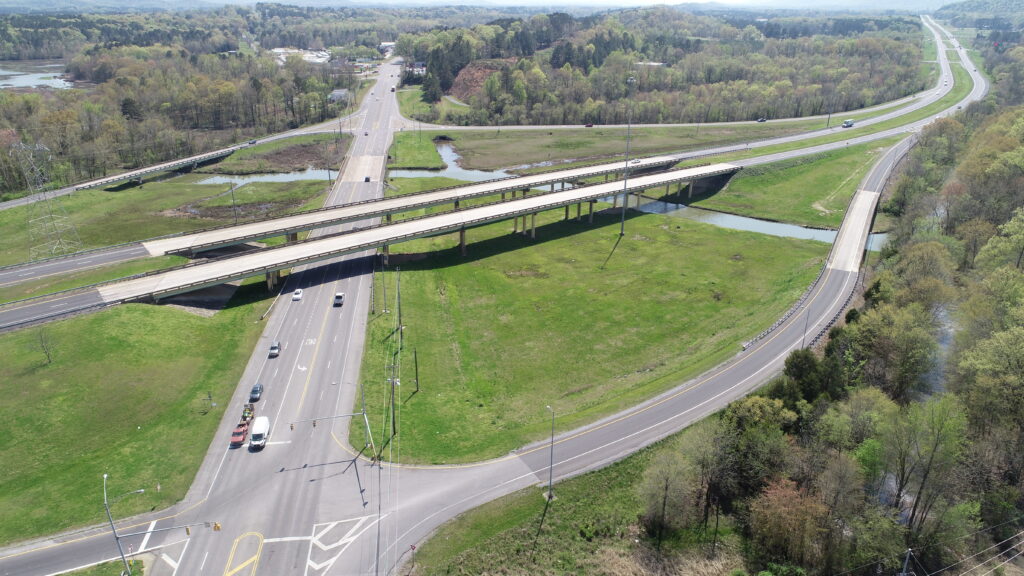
321, 155
471, 78
525, 273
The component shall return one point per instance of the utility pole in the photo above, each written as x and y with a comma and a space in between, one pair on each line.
234, 207
625, 173
551, 465
906, 564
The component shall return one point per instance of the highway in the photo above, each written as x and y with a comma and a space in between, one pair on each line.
306, 505
374, 167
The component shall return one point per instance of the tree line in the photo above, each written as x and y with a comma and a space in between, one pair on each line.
887, 440
556, 69
34, 36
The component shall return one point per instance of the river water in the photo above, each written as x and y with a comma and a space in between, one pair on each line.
32, 74
730, 221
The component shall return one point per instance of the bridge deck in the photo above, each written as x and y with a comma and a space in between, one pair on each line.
216, 238
198, 276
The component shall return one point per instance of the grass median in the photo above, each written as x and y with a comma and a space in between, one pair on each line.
126, 391
574, 319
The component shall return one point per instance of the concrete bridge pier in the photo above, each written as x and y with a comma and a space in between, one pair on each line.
462, 240
579, 210
456, 205
273, 279
291, 237
385, 253
533, 225
590, 214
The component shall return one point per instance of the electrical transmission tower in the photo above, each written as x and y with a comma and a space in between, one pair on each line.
50, 230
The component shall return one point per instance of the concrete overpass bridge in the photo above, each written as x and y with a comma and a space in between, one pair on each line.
222, 236
138, 175
290, 226
198, 275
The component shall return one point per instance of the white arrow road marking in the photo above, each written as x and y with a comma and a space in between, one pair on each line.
361, 525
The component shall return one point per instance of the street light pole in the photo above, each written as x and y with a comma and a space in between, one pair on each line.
551, 464
625, 173
117, 540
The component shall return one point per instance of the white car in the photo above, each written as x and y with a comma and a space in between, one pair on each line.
297, 295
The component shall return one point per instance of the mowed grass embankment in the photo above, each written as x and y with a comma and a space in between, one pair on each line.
569, 320
415, 151
132, 213
590, 528
811, 191
125, 394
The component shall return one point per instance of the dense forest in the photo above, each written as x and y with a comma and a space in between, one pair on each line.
169, 84
886, 440
557, 69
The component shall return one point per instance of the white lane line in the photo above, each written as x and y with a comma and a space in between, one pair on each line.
182, 557
288, 539
203, 564
217, 473
149, 532
169, 561
278, 442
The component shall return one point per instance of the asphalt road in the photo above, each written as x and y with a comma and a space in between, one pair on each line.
358, 124
305, 505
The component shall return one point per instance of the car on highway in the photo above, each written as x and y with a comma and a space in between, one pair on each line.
260, 430
588, 125
275, 349
256, 392
297, 295
847, 123
239, 435
366, 133
762, 119
339, 298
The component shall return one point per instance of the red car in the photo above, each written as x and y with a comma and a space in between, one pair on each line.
239, 435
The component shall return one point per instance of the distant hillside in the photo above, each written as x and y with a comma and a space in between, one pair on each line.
98, 6
994, 14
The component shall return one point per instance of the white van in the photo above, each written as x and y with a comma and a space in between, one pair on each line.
260, 430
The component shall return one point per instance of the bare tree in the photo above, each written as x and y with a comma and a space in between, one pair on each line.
45, 344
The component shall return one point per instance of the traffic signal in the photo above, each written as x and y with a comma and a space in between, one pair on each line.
188, 531
216, 526
314, 423
292, 425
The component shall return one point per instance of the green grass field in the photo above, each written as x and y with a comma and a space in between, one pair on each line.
108, 217
812, 191
125, 394
410, 102
584, 530
414, 150
569, 320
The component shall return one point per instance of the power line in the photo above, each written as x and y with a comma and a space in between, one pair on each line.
1008, 560
975, 533
962, 560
